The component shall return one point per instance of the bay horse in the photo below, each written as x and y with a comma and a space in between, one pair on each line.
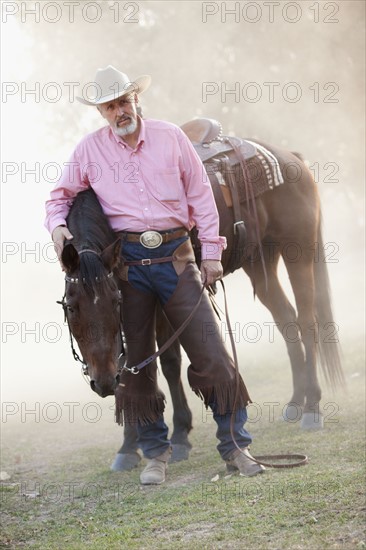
284, 218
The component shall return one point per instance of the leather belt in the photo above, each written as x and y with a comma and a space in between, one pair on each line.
153, 239
150, 261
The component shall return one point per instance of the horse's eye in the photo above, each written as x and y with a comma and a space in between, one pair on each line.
70, 309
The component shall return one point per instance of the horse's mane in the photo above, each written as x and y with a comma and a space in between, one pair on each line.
91, 230
88, 223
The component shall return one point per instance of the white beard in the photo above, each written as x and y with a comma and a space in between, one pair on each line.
127, 130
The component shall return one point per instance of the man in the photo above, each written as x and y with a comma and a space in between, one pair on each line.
153, 188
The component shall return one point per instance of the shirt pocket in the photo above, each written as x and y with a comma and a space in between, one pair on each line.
168, 184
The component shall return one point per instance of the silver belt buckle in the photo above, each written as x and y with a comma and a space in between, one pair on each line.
151, 239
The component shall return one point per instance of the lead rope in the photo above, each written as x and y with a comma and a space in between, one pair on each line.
301, 459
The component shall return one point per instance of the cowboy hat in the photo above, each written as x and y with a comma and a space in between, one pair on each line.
109, 84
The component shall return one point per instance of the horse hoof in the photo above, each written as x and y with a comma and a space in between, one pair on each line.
124, 462
179, 452
312, 421
292, 413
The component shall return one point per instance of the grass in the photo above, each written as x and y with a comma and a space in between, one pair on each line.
61, 493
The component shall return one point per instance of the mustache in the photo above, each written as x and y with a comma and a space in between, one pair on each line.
123, 118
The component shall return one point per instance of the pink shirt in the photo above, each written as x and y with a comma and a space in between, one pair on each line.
159, 185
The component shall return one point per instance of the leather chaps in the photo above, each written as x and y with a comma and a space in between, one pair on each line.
211, 373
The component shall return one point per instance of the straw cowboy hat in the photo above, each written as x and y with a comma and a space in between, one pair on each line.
109, 84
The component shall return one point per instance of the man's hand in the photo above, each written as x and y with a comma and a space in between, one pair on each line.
60, 233
211, 271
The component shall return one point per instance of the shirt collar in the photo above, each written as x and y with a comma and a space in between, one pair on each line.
141, 135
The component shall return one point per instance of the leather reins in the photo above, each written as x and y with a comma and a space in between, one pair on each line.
301, 459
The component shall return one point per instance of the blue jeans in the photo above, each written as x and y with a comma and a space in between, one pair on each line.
161, 279
153, 438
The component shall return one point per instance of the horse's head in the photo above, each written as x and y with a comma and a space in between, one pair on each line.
92, 308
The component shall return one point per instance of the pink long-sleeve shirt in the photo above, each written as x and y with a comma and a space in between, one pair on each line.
159, 185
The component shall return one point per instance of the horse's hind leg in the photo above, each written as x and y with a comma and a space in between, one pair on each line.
301, 274
284, 315
171, 366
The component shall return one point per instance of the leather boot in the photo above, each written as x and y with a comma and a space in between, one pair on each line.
154, 472
242, 462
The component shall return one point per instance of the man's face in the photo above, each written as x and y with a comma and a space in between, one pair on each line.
121, 114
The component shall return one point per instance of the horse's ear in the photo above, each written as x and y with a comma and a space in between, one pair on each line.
111, 255
70, 258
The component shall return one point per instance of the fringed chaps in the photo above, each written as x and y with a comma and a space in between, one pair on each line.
211, 375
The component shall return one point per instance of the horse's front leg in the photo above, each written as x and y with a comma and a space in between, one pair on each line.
127, 457
171, 366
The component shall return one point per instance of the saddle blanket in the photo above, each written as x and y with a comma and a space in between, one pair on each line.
270, 165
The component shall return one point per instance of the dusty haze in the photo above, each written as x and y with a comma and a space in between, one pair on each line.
297, 72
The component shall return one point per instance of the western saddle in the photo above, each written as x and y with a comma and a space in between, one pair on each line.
206, 137
221, 156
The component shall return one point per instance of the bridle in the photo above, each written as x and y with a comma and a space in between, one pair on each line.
63, 303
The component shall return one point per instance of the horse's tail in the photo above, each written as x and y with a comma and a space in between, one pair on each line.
328, 344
